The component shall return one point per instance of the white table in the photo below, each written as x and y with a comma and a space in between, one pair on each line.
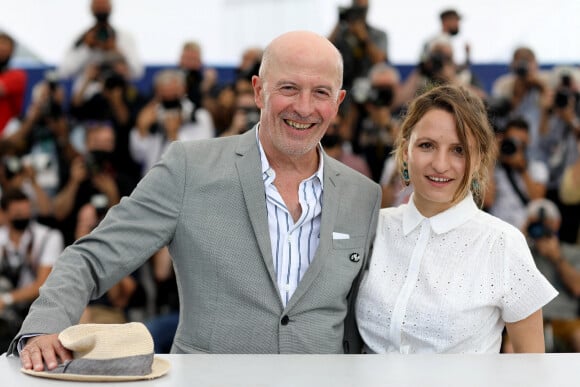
531, 370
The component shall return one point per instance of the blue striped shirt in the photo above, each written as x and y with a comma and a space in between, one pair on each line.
293, 244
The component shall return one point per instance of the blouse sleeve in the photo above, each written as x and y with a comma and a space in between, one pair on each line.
526, 290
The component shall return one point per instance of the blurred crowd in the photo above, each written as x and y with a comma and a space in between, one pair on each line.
72, 153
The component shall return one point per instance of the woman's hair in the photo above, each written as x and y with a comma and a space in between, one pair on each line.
473, 129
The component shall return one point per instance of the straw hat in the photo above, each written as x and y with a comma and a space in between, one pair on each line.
107, 352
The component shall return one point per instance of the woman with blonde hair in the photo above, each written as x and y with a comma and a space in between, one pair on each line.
446, 277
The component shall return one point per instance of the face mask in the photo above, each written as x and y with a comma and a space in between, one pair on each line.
194, 76
102, 17
20, 224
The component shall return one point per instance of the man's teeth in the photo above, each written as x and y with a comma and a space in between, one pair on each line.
297, 125
439, 179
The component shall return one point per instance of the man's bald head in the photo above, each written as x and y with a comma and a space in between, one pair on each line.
301, 44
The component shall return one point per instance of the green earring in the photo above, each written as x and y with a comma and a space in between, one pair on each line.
475, 186
406, 178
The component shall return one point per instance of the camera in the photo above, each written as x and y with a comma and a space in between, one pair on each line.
111, 79
51, 108
180, 106
521, 68
538, 229
364, 92
561, 98
351, 14
510, 146
14, 165
564, 93
104, 32
95, 161
381, 96
432, 65
498, 110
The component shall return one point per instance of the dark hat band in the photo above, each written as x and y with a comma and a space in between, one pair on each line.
138, 365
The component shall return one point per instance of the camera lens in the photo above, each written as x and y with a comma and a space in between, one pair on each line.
521, 68
508, 147
561, 99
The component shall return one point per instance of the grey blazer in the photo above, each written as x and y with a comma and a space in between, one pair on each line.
206, 201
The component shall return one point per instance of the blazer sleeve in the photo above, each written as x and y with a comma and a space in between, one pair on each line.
129, 234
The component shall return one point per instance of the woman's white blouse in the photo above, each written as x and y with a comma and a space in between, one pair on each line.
446, 284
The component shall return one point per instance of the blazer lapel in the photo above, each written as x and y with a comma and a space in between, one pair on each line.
330, 203
249, 172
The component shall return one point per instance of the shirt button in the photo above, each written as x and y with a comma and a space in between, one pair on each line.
285, 320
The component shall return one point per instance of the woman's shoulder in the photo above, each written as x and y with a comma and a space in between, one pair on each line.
499, 228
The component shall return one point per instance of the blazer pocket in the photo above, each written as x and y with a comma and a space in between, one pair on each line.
354, 242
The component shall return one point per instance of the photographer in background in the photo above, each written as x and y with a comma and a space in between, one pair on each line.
360, 44
517, 178
98, 41
104, 93
527, 90
246, 114
90, 174
169, 116
436, 67
559, 262
28, 250
373, 119
17, 172
199, 79
559, 133
43, 139
450, 23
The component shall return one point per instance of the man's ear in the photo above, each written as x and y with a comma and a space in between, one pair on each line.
258, 88
341, 96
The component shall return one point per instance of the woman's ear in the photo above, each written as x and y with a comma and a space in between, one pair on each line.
405, 148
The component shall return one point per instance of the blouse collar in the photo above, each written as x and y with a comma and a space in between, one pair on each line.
442, 222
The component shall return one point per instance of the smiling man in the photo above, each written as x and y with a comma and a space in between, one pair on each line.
267, 233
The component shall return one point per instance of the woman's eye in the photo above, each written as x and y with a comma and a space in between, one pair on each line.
459, 150
425, 145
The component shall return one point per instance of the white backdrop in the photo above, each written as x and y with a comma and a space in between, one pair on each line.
224, 27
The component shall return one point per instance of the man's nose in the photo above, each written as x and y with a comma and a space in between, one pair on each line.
304, 104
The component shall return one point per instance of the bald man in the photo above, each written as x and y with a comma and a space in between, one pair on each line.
268, 234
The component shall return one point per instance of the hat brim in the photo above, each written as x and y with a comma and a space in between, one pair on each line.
159, 368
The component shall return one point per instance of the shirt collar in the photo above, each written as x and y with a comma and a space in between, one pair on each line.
442, 222
268, 172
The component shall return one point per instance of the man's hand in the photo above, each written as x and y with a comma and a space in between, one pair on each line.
41, 350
